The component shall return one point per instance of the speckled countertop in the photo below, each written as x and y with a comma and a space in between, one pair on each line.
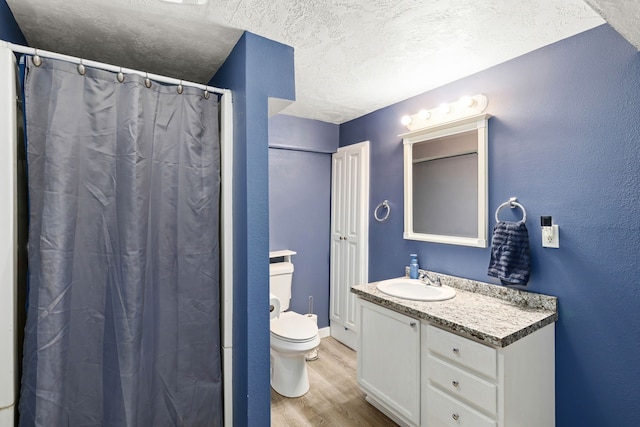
492, 314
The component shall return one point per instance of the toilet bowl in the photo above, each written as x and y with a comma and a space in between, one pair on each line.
292, 337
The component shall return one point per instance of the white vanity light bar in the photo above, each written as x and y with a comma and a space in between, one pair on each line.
465, 107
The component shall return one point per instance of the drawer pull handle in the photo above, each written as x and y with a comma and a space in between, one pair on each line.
456, 351
412, 324
455, 416
455, 383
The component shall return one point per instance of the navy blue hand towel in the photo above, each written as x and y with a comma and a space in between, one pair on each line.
510, 253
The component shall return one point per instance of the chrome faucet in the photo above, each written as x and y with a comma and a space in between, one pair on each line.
424, 277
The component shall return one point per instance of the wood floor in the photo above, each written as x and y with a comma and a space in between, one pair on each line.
334, 398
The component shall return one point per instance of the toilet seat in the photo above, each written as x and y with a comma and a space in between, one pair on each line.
293, 327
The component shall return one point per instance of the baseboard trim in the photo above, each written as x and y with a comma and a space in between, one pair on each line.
324, 332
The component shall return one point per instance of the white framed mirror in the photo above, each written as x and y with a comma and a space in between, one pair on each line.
446, 182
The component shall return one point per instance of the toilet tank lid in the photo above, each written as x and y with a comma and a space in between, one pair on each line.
278, 268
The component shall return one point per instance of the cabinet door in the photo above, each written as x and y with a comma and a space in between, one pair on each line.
389, 359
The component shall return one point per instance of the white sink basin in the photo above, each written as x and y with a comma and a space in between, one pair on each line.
416, 290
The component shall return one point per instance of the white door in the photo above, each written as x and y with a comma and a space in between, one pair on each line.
349, 237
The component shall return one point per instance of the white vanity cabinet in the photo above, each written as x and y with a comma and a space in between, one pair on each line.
389, 362
422, 375
466, 383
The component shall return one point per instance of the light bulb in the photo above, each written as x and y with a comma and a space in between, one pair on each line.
444, 108
467, 101
423, 114
406, 120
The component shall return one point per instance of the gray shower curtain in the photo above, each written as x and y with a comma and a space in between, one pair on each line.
123, 317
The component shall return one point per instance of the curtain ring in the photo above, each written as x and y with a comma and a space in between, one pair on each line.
180, 88
37, 61
120, 75
206, 94
147, 80
81, 68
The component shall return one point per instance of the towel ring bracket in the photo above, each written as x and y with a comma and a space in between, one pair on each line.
512, 203
384, 205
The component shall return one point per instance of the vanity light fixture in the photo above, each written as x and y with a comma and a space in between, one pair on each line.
466, 106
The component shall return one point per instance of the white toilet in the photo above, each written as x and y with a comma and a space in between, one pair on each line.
292, 336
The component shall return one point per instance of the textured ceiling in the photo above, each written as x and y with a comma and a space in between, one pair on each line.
623, 15
352, 56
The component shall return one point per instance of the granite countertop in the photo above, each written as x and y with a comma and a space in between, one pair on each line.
492, 314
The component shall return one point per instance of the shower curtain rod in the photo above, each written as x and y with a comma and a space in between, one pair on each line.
157, 77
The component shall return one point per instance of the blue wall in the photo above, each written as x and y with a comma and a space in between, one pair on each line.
9, 30
299, 209
564, 139
300, 134
256, 69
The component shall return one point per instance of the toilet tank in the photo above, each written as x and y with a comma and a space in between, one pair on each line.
280, 277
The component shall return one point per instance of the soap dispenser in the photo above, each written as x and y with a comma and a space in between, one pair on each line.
413, 267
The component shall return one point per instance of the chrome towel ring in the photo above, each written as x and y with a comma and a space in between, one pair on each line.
512, 203
384, 205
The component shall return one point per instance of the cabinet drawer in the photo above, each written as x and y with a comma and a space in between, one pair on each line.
444, 410
462, 385
464, 352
